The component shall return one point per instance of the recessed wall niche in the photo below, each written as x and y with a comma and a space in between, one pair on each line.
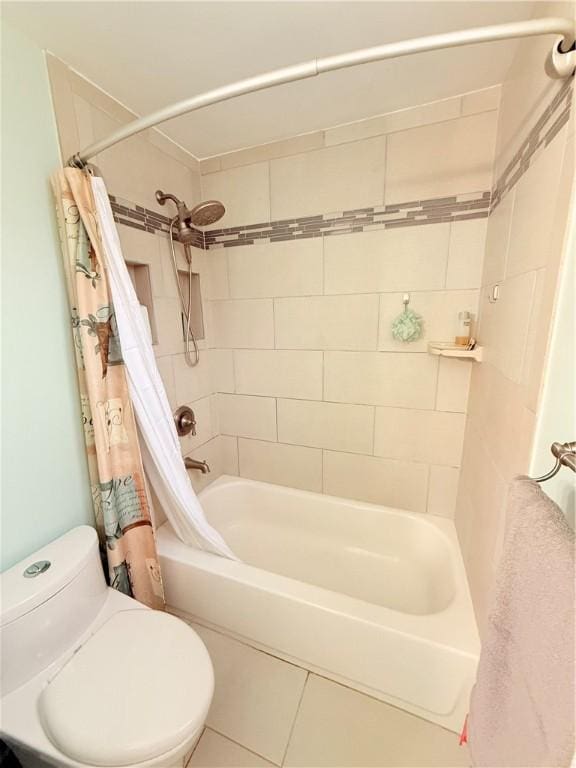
140, 276
196, 316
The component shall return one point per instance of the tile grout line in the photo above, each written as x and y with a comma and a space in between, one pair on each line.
228, 281
273, 300
323, 266
428, 475
269, 166
295, 717
533, 310
378, 319
335, 350
435, 409
238, 744
195, 747
418, 462
386, 142
418, 407
448, 251
508, 235
276, 416
234, 371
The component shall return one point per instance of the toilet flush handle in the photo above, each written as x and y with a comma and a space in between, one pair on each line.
40, 566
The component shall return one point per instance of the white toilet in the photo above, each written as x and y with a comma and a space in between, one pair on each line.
91, 677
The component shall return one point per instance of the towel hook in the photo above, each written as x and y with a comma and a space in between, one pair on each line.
565, 454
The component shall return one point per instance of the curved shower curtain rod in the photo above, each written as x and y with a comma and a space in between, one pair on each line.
561, 63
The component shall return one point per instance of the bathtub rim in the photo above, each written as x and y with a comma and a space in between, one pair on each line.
452, 627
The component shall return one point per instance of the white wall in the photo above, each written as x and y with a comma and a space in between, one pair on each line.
557, 417
45, 486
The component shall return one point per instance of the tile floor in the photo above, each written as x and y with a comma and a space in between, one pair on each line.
267, 712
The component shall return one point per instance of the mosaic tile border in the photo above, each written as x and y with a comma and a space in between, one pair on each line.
551, 121
474, 205
137, 217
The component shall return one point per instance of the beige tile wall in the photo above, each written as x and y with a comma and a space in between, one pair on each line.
523, 250
298, 367
317, 393
437, 159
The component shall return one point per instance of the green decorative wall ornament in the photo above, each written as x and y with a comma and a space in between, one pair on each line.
408, 325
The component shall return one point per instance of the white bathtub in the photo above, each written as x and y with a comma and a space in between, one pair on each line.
369, 596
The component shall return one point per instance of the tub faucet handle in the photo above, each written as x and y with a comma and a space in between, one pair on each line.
185, 421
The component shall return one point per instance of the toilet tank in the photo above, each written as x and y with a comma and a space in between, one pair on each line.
48, 601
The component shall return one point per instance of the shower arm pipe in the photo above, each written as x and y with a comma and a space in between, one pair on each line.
561, 63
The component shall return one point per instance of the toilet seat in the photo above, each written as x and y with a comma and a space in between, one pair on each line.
137, 688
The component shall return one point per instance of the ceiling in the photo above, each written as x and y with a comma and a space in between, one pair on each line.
151, 54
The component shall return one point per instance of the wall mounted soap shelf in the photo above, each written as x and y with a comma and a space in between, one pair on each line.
447, 349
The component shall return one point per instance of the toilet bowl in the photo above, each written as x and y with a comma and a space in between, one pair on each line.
89, 676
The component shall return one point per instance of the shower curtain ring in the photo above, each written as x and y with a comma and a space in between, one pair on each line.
77, 162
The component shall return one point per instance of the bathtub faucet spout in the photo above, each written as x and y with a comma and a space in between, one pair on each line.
193, 464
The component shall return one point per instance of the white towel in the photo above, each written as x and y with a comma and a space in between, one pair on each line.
522, 706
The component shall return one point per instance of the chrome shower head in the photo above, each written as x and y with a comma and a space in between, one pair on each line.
188, 236
206, 213
201, 215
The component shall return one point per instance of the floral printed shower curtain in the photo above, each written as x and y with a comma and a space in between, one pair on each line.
119, 493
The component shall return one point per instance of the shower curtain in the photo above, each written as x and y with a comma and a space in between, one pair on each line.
103, 268
119, 493
161, 449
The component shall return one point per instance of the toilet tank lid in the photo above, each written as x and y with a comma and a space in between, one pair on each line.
67, 555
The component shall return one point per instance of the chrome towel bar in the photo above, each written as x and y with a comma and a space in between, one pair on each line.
565, 454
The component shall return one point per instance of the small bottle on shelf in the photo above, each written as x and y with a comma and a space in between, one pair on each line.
463, 329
